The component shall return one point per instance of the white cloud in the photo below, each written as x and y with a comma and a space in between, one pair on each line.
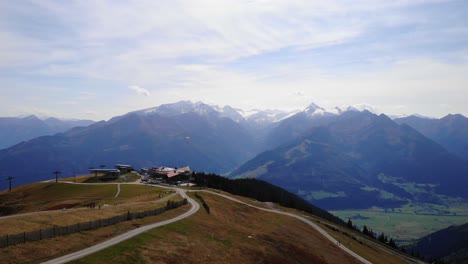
139, 90
368, 107
267, 54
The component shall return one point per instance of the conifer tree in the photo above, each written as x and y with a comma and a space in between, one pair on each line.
381, 238
365, 231
392, 243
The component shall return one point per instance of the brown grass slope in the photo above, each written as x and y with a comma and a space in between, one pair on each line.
231, 233
40, 202
46, 196
40, 251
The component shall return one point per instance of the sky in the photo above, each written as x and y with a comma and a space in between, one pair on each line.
99, 59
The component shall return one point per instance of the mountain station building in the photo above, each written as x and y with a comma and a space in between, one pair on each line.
170, 175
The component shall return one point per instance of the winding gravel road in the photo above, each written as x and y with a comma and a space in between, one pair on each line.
87, 251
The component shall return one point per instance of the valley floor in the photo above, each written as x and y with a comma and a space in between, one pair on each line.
408, 223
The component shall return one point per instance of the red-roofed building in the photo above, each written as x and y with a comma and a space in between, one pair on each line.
171, 175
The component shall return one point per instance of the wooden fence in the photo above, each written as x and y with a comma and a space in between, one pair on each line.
55, 231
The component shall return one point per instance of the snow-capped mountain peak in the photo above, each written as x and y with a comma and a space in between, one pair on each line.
229, 112
352, 109
265, 117
312, 108
178, 108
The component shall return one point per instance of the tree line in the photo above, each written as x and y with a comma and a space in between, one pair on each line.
261, 191
367, 231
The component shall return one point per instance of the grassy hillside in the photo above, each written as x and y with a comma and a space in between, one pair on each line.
49, 196
42, 199
46, 196
262, 191
233, 233
230, 233
40, 251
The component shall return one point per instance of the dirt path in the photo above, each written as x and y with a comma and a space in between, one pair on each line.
118, 191
308, 222
113, 241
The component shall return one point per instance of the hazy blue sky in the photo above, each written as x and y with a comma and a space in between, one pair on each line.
97, 59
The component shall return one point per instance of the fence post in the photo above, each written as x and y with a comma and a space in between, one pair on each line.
54, 232
40, 234
24, 237
7, 240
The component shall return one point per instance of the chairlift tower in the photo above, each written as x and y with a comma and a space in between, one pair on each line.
56, 175
9, 179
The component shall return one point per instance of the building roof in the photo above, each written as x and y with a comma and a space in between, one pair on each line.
164, 169
184, 169
123, 166
172, 174
104, 170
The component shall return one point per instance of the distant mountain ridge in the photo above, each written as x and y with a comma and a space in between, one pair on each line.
203, 140
252, 117
449, 244
338, 158
356, 160
296, 125
450, 131
14, 130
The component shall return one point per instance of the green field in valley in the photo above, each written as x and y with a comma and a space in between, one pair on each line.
409, 222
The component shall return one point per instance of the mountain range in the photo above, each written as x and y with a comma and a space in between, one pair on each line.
357, 160
338, 158
450, 131
449, 244
177, 134
14, 130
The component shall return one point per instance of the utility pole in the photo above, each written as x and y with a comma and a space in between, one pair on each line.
9, 179
56, 175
